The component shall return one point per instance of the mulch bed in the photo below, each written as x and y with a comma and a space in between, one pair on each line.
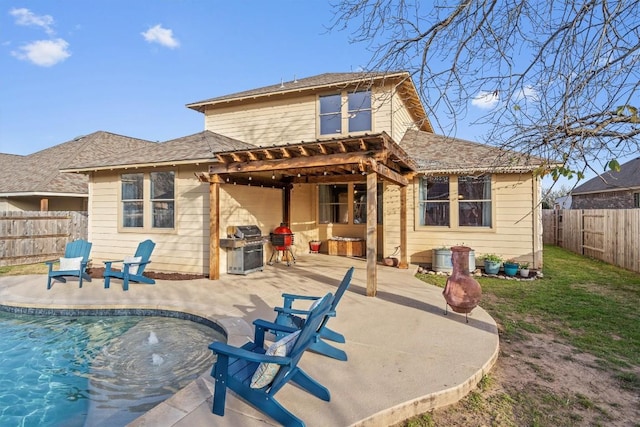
98, 272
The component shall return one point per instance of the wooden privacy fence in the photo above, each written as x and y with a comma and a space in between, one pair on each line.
610, 235
31, 237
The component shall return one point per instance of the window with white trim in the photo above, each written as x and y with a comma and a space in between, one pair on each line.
334, 200
148, 192
474, 201
348, 111
132, 200
472, 205
434, 201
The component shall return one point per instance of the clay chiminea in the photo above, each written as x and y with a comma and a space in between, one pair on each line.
462, 292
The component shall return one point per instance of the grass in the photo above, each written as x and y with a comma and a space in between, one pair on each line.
16, 270
587, 304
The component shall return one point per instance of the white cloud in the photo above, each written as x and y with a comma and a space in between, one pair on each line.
486, 100
27, 18
528, 93
44, 53
162, 36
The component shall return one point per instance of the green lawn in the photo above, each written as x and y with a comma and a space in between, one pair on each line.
594, 306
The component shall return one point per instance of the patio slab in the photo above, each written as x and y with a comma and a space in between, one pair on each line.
405, 356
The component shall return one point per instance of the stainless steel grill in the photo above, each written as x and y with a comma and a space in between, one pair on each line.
245, 249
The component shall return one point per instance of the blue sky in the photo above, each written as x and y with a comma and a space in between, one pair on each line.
74, 67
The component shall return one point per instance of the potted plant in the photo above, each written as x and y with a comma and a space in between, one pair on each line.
524, 269
492, 263
511, 267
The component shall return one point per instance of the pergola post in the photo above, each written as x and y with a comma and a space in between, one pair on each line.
372, 234
403, 228
214, 227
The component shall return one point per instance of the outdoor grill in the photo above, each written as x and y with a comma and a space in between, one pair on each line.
281, 241
245, 249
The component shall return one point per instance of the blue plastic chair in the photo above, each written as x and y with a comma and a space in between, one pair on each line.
235, 367
131, 270
289, 316
76, 249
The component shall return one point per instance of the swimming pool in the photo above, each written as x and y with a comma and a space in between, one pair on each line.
95, 370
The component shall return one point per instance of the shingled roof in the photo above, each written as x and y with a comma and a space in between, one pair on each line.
199, 147
627, 178
324, 82
39, 173
442, 154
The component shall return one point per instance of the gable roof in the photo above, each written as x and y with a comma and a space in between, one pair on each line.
325, 82
39, 173
199, 147
627, 178
442, 154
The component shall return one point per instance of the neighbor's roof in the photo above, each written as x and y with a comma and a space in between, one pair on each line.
627, 178
39, 173
442, 154
199, 147
324, 82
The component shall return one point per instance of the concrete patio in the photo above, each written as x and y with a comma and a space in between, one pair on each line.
405, 356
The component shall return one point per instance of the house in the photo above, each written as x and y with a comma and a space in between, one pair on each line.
35, 183
562, 202
610, 190
337, 157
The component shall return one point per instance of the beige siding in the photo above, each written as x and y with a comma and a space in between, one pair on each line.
183, 250
295, 120
240, 205
401, 118
267, 123
511, 237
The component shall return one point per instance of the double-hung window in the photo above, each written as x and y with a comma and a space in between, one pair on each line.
346, 112
474, 206
132, 199
148, 200
162, 199
455, 201
434, 201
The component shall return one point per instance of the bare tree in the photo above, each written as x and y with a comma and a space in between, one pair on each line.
560, 78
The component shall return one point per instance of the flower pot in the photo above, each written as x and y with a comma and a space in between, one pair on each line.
314, 246
524, 272
510, 269
491, 267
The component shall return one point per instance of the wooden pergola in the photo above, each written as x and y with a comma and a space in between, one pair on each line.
367, 158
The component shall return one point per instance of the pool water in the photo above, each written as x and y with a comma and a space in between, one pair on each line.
90, 370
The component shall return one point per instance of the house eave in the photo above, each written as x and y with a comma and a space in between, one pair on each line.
607, 190
459, 171
172, 163
42, 194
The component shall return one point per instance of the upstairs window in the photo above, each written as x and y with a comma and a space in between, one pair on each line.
330, 114
350, 111
359, 112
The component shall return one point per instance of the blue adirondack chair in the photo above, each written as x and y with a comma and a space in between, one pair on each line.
237, 367
132, 267
289, 316
71, 265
